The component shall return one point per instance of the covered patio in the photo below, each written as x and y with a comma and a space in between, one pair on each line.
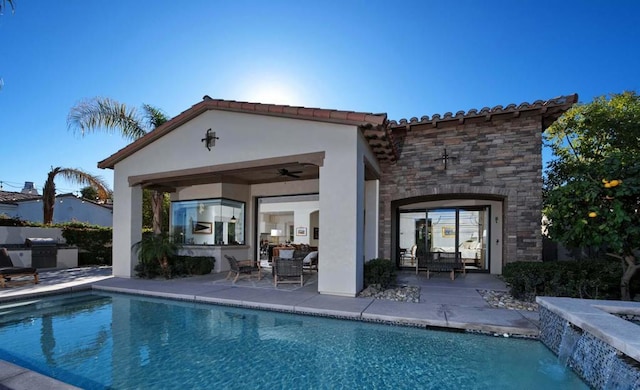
235, 155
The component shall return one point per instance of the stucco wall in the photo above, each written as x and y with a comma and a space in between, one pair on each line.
66, 209
246, 137
499, 159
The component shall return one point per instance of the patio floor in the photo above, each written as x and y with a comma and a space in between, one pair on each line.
443, 303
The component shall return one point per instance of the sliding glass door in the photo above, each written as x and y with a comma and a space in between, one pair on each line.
461, 231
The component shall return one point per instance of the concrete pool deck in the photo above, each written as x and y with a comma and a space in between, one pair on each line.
444, 303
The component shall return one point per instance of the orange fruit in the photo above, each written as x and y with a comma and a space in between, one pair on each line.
614, 183
607, 185
592, 214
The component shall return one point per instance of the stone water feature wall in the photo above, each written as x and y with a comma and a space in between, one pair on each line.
593, 357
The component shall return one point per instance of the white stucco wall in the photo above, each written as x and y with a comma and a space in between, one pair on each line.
18, 234
66, 209
247, 137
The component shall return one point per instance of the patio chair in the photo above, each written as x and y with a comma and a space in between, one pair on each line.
9, 271
310, 261
287, 271
241, 268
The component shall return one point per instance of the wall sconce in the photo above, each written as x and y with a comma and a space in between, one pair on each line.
496, 219
210, 139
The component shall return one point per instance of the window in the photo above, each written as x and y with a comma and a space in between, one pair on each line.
208, 222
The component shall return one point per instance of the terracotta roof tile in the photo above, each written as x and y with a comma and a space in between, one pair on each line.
375, 127
11, 197
559, 105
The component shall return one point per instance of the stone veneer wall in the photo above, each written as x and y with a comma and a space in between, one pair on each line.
496, 159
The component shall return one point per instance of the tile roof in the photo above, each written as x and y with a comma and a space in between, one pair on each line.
361, 119
551, 108
378, 131
12, 197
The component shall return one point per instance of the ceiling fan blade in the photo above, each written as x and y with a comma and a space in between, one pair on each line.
286, 172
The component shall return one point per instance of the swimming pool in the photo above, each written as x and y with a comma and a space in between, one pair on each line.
102, 340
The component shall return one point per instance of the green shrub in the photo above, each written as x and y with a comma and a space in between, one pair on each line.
379, 271
595, 279
197, 265
93, 242
5, 220
178, 266
159, 249
147, 270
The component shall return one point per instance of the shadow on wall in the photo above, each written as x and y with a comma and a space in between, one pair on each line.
553, 251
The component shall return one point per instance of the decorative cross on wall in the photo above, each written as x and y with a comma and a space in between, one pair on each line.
445, 157
210, 139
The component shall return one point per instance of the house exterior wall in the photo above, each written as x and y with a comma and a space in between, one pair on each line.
66, 209
246, 137
499, 159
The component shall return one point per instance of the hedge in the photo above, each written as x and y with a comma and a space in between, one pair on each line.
93, 242
589, 279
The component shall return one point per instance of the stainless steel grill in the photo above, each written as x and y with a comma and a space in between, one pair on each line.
44, 252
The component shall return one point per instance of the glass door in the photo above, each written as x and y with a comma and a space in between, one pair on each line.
461, 231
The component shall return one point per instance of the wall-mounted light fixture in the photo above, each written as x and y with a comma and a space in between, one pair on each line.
209, 139
496, 219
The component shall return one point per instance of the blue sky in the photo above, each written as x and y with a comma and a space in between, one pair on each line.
405, 58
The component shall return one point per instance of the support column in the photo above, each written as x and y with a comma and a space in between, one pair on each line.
341, 222
127, 226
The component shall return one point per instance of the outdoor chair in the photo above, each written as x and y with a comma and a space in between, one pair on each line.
287, 271
310, 261
8, 271
241, 268
410, 256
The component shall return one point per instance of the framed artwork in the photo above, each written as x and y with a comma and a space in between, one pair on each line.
200, 227
448, 231
316, 233
301, 231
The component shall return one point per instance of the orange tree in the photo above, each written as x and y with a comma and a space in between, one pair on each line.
592, 187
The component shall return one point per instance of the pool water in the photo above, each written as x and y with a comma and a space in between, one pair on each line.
101, 340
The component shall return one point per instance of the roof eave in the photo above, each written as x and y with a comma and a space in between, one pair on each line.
301, 113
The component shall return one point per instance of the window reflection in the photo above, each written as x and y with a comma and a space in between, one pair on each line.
208, 222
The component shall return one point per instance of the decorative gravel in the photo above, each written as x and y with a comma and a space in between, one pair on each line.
398, 294
504, 300
498, 299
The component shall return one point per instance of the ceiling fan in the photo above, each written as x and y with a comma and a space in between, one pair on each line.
286, 172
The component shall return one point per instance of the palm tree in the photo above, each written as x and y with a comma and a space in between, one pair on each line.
3, 5
70, 174
109, 115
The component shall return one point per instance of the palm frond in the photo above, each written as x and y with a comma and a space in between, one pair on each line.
81, 177
3, 5
74, 175
154, 117
106, 114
